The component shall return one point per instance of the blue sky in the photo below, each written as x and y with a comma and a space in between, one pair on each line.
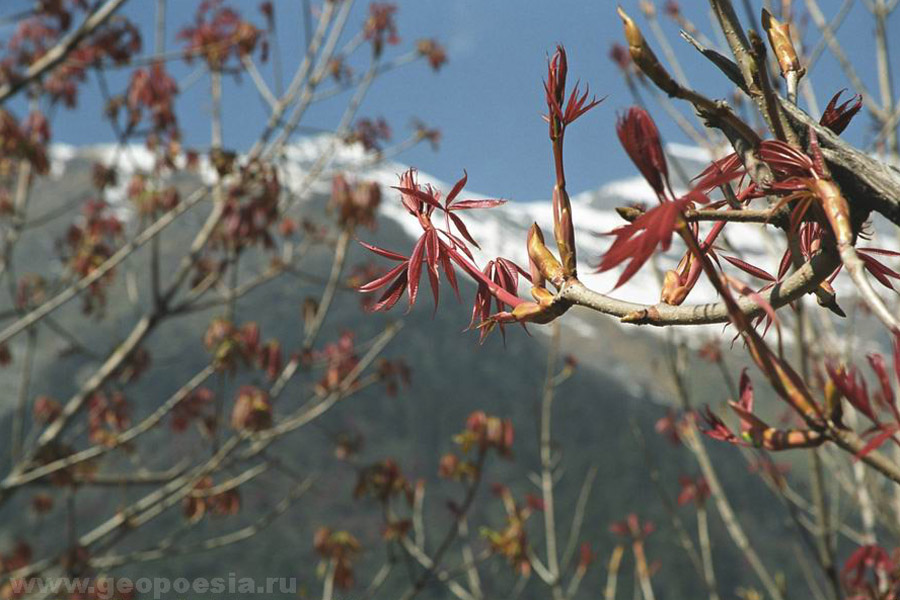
487, 100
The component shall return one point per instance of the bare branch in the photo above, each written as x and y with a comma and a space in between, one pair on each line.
799, 283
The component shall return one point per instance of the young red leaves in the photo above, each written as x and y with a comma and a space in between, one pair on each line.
560, 114
396, 277
869, 571
632, 527
436, 250
563, 112
638, 240
639, 136
693, 490
850, 383
837, 116
755, 431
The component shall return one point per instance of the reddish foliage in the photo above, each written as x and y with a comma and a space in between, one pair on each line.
251, 207
381, 27
632, 527
637, 241
88, 244
230, 345
693, 489
436, 250
561, 111
370, 133
194, 407
354, 204
512, 541
205, 499
383, 481
108, 414
117, 41
488, 432
669, 427
46, 410
18, 558
433, 51
252, 410
152, 92
870, 572
838, 116
26, 141
341, 549
41, 504
218, 34
340, 359
638, 134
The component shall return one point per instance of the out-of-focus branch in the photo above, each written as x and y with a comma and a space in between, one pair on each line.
546, 451
126, 436
166, 550
300, 76
885, 75
141, 330
18, 424
452, 532
578, 518
100, 271
684, 539
337, 267
709, 571
823, 525
612, 576
732, 524
468, 556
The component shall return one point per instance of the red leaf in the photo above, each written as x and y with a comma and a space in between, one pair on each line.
881, 251
457, 188
638, 134
470, 204
877, 362
876, 442
432, 250
381, 281
382, 251
785, 159
746, 389
449, 269
461, 227
420, 195
392, 294
415, 269
837, 118
748, 268
637, 241
719, 172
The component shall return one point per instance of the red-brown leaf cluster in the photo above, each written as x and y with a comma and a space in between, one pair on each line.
381, 26
354, 204
252, 410
339, 550
218, 34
